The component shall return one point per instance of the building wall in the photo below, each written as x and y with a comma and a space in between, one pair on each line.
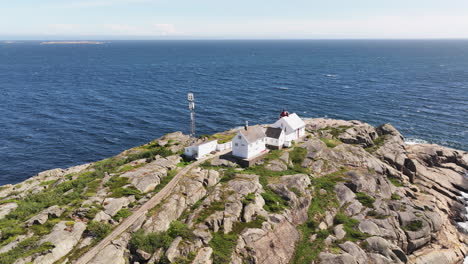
256, 147
239, 147
224, 146
275, 142
206, 148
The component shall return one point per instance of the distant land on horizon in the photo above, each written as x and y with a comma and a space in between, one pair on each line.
136, 38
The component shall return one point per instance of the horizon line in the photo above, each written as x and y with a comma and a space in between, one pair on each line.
143, 38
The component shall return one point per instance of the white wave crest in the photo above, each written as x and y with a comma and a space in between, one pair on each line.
414, 141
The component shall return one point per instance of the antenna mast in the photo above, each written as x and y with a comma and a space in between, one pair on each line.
191, 101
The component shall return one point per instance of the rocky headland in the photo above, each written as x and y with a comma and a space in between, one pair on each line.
346, 193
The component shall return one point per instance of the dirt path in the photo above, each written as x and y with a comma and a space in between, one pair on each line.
155, 200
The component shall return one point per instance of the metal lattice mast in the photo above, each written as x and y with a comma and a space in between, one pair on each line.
191, 101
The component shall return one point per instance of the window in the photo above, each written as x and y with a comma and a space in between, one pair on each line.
236, 145
239, 137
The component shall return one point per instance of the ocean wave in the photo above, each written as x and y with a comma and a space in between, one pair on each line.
282, 88
414, 141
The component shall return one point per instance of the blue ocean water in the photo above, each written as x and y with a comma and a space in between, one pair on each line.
63, 105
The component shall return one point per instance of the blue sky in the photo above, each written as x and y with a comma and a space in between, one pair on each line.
234, 19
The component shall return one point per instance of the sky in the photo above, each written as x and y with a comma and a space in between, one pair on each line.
234, 19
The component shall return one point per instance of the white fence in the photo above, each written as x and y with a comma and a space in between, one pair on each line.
224, 146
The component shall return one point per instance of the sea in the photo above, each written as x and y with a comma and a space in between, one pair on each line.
67, 104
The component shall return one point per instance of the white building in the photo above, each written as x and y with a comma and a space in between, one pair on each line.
249, 142
293, 127
200, 150
274, 137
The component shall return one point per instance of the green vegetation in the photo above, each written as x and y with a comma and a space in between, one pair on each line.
223, 245
376, 215
224, 138
165, 180
414, 225
152, 241
213, 207
116, 184
395, 196
365, 199
378, 142
306, 251
350, 226
337, 131
297, 156
149, 242
25, 248
178, 228
44, 229
248, 199
395, 181
45, 183
331, 143
98, 230
273, 202
122, 213
150, 151
185, 260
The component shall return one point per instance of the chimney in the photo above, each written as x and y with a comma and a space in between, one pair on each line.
246, 125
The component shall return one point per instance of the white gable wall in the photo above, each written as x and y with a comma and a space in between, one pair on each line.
242, 149
239, 146
290, 133
276, 141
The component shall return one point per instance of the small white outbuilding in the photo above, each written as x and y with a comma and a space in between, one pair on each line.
200, 150
274, 137
293, 127
249, 142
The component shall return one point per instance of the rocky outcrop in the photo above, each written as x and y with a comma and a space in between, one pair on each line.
274, 243
6, 208
358, 195
64, 237
146, 178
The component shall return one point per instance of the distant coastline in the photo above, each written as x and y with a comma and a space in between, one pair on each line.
71, 42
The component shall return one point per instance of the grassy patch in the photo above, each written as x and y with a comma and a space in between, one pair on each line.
414, 225
378, 142
376, 215
223, 245
306, 251
224, 138
395, 196
47, 183
395, 181
350, 226
365, 199
122, 213
297, 156
273, 202
249, 198
98, 230
213, 207
152, 241
150, 152
25, 248
165, 180
331, 143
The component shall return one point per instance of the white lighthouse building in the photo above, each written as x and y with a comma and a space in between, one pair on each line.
292, 125
249, 142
